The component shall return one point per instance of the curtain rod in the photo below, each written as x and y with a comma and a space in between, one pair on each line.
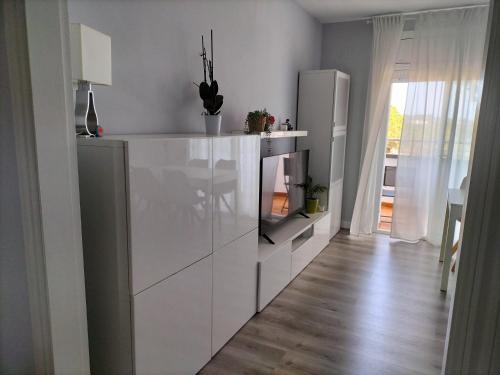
369, 19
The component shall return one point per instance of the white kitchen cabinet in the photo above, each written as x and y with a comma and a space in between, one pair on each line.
172, 322
323, 102
234, 287
235, 187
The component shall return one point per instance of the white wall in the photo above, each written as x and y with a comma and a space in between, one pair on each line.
260, 46
16, 346
347, 46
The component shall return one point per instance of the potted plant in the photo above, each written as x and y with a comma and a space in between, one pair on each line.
311, 192
259, 120
212, 101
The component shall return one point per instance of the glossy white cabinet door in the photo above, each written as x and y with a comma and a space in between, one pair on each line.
338, 156
315, 114
172, 322
235, 188
170, 214
341, 100
336, 206
322, 232
336, 181
234, 287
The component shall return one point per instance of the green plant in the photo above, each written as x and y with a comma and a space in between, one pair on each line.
256, 116
312, 191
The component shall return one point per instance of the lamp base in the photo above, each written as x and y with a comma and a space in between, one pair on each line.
86, 120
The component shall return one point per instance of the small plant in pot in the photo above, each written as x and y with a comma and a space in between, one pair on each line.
312, 194
212, 101
259, 120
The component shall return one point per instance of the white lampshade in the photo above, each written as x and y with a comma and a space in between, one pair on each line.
90, 55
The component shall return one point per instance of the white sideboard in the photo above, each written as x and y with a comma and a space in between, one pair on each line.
169, 227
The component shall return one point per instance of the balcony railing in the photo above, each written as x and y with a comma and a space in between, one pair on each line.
392, 146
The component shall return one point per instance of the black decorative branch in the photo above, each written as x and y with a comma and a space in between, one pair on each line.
212, 102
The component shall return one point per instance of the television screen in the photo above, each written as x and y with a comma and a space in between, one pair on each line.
280, 193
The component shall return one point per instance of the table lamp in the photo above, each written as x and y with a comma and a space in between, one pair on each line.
90, 64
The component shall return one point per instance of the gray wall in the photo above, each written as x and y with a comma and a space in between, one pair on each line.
16, 347
347, 46
260, 46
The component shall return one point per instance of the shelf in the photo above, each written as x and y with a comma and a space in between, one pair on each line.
284, 134
278, 134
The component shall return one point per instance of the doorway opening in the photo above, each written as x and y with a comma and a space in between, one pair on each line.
393, 140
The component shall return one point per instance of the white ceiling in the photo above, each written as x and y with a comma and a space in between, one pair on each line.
347, 10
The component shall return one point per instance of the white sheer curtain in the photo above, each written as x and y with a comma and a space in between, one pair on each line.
387, 31
443, 97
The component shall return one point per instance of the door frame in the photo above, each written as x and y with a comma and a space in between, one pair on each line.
473, 335
38, 62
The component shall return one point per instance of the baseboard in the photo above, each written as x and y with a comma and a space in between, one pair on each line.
345, 224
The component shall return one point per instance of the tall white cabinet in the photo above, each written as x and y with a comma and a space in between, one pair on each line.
170, 240
323, 102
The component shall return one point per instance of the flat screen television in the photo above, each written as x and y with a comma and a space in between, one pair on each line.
280, 194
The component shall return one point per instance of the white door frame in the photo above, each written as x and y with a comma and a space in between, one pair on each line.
473, 337
39, 67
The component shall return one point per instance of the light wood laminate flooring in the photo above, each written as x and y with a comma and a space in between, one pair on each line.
363, 306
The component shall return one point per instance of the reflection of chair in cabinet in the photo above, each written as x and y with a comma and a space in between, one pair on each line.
185, 201
200, 163
226, 185
286, 173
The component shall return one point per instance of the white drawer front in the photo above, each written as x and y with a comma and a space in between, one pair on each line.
303, 255
172, 322
274, 275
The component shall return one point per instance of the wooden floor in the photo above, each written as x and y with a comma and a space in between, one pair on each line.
363, 306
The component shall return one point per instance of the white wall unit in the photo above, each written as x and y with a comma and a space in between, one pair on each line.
235, 188
149, 258
172, 322
234, 287
322, 111
297, 242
